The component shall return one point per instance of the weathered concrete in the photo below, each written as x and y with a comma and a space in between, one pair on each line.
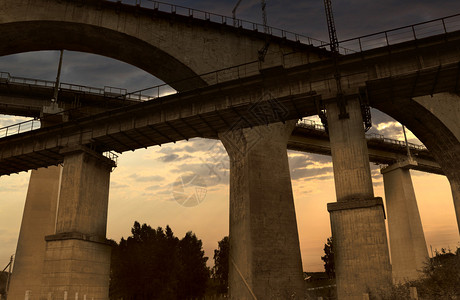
446, 107
77, 257
265, 258
39, 220
170, 46
357, 218
407, 240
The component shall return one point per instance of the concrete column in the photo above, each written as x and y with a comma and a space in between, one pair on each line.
265, 260
39, 219
407, 240
455, 186
77, 256
357, 218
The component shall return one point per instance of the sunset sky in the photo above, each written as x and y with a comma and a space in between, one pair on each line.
141, 185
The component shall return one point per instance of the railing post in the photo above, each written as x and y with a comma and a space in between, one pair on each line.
444, 26
413, 32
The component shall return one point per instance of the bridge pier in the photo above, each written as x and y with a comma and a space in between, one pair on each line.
362, 261
39, 220
407, 240
265, 260
77, 256
455, 186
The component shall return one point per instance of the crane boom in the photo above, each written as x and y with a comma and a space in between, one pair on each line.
334, 42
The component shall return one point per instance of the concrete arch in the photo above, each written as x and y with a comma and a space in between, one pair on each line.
429, 125
96, 40
170, 47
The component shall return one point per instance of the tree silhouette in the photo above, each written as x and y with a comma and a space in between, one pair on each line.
328, 258
193, 273
154, 264
221, 264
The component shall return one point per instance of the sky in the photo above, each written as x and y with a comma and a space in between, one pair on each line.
142, 186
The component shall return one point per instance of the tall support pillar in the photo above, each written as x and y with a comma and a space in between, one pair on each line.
455, 186
361, 255
265, 260
407, 240
77, 256
38, 220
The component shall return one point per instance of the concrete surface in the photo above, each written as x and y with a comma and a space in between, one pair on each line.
265, 260
361, 255
409, 253
39, 220
77, 256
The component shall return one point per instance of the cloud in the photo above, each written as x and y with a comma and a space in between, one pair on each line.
299, 162
316, 173
153, 187
139, 178
116, 185
173, 157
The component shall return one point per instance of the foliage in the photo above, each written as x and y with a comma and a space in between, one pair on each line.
154, 264
440, 279
328, 258
3, 277
221, 265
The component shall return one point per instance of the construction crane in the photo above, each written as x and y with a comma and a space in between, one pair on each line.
334, 45
234, 13
341, 100
263, 51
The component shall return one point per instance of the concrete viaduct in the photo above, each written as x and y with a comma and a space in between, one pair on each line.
251, 107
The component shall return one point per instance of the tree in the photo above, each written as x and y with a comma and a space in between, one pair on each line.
440, 279
328, 258
154, 264
193, 273
221, 264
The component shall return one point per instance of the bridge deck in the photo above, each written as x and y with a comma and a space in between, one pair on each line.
400, 71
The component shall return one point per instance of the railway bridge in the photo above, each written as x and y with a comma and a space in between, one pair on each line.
251, 104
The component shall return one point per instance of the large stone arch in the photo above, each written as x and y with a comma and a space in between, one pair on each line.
170, 47
432, 120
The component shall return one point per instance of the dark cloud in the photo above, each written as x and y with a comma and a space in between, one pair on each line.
138, 178
195, 145
377, 183
299, 162
116, 185
317, 173
173, 157
214, 173
153, 187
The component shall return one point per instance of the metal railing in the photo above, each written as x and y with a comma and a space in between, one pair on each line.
21, 127
211, 78
398, 35
366, 42
402, 144
306, 123
112, 156
220, 19
107, 91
